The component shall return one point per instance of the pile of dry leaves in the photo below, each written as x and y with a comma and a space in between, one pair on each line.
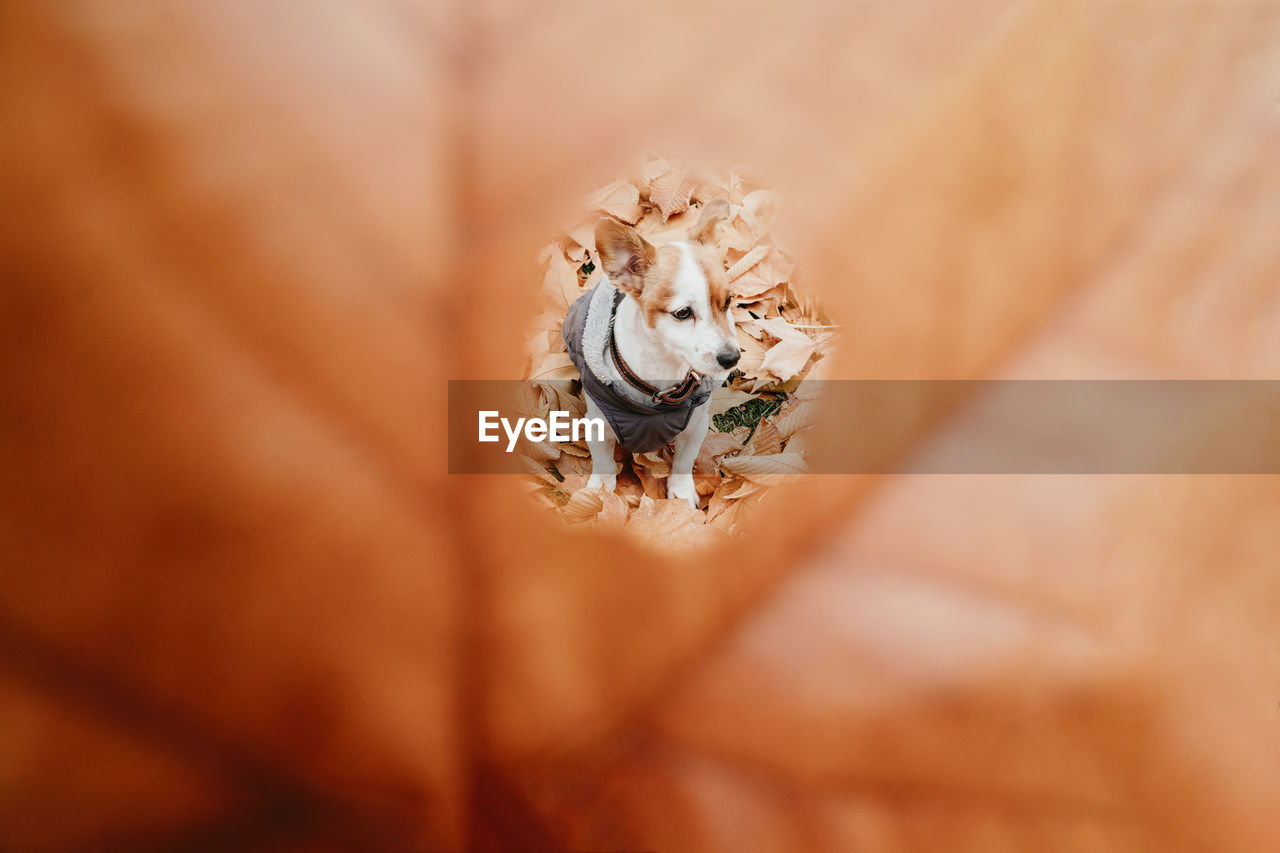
758, 416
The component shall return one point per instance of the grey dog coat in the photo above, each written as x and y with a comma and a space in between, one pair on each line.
639, 427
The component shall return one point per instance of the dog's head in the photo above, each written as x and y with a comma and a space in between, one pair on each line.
681, 287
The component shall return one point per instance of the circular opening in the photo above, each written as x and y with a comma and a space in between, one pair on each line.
756, 417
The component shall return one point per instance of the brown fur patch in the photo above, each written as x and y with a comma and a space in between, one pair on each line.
660, 285
713, 213
627, 257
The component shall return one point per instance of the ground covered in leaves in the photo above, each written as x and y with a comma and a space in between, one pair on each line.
759, 415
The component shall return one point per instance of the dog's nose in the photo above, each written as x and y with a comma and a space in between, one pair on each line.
728, 357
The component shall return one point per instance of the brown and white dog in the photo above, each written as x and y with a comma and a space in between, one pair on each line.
673, 324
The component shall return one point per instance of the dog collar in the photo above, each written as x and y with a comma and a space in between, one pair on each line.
672, 396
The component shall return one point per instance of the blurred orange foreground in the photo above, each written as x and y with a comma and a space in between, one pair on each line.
243, 607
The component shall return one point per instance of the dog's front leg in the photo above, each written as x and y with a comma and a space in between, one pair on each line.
688, 443
604, 471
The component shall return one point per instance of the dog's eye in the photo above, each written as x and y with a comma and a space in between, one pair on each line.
728, 302
683, 314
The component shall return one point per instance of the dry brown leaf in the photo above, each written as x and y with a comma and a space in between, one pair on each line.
731, 488
762, 277
613, 510
578, 450
732, 185
549, 321
620, 199
767, 440
732, 242
753, 354
584, 234
715, 445
760, 207
556, 395
746, 262
671, 192
538, 470
660, 233
653, 485
539, 451
554, 365
766, 305
794, 416
561, 282
630, 489
583, 505
789, 355
799, 443
574, 251
705, 482
730, 518
745, 321
651, 169
704, 193
716, 505
573, 466
765, 469
655, 461
670, 526
742, 489
724, 399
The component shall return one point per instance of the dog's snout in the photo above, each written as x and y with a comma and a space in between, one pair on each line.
728, 357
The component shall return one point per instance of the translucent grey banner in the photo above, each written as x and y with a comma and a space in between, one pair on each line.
953, 426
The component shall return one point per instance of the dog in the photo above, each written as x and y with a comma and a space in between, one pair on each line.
651, 342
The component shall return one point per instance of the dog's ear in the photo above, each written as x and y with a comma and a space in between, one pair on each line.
624, 254
713, 213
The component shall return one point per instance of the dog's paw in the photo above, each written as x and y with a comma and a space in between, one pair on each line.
681, 486
608, 483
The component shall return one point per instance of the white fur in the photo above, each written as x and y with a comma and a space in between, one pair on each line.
604, 472
687, 444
